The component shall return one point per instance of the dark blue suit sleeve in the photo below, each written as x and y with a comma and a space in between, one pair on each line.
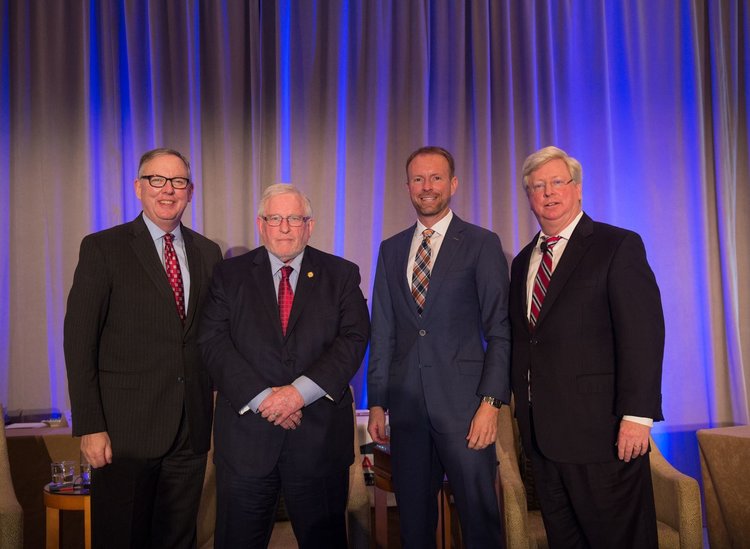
492, 287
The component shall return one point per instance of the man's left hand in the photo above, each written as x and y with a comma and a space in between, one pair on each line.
280, 404
632, 440
483, 429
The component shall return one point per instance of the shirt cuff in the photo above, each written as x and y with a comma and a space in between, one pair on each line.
647, 421
309, 390
254, 403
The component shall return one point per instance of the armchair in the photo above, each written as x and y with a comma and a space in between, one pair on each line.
11, 514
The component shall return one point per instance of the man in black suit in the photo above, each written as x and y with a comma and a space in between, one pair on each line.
588, 342
141, 400
439, 358
283, 332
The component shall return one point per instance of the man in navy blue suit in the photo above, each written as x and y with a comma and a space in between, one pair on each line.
439, 358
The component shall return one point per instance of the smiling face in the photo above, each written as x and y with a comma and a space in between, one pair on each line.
164, 206
285, 242
430, 187
554, 207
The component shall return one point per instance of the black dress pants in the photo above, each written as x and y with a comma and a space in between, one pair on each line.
148, 503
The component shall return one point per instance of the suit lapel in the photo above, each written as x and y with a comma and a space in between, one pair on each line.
195, 268
579, 242
262, 278
306, 282
143, 246
451, 243
524, 259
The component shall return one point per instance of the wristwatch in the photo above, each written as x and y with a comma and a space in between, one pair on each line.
492, 401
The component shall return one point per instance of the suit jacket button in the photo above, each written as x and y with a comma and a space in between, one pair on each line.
534, 341
423, 332
180, 379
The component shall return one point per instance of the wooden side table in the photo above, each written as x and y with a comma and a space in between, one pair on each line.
75, 500
384, 483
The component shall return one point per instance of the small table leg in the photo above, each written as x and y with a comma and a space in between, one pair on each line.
53, 528
381, 518
87, 523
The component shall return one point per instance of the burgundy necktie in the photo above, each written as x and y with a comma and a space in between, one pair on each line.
286, 297
174, 275
541, 281
420, 277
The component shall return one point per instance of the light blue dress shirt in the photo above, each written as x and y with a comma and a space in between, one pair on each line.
178, 242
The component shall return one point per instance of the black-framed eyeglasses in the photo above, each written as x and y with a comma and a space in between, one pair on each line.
292, 220
158, 181
540, 186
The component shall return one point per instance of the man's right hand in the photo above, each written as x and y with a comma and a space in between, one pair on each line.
97, 449
376, 425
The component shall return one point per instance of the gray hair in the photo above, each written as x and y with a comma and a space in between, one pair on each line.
535, 160
163, 151
283, 188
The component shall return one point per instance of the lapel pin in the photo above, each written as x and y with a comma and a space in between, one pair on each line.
310, 274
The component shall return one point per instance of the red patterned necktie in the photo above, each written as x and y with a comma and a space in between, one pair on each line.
420, 278
286, 297
174, 275
541, 281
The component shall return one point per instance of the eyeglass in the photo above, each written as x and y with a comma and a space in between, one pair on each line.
292, 220
158, 181
540, 186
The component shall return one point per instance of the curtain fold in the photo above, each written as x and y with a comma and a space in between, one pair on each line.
651, 97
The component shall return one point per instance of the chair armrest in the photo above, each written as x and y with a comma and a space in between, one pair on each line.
358, 508
512, 492
677, 499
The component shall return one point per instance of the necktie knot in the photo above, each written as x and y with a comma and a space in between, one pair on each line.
549, 243
169, 237
286, 272
427, 233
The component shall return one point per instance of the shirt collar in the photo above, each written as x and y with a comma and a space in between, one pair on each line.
441, 227
566, 233
157, 233
277, 264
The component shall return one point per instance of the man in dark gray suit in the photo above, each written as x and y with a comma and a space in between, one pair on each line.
439, 358
142, 402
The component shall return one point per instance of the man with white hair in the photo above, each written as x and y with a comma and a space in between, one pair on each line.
284, 329
588, 342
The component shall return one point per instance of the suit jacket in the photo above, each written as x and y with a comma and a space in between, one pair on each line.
132, 364
245, 352
459, 349
597, 349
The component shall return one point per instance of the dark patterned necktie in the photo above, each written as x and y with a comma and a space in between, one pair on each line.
541, 281
420, 278
174, 275
286, 297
